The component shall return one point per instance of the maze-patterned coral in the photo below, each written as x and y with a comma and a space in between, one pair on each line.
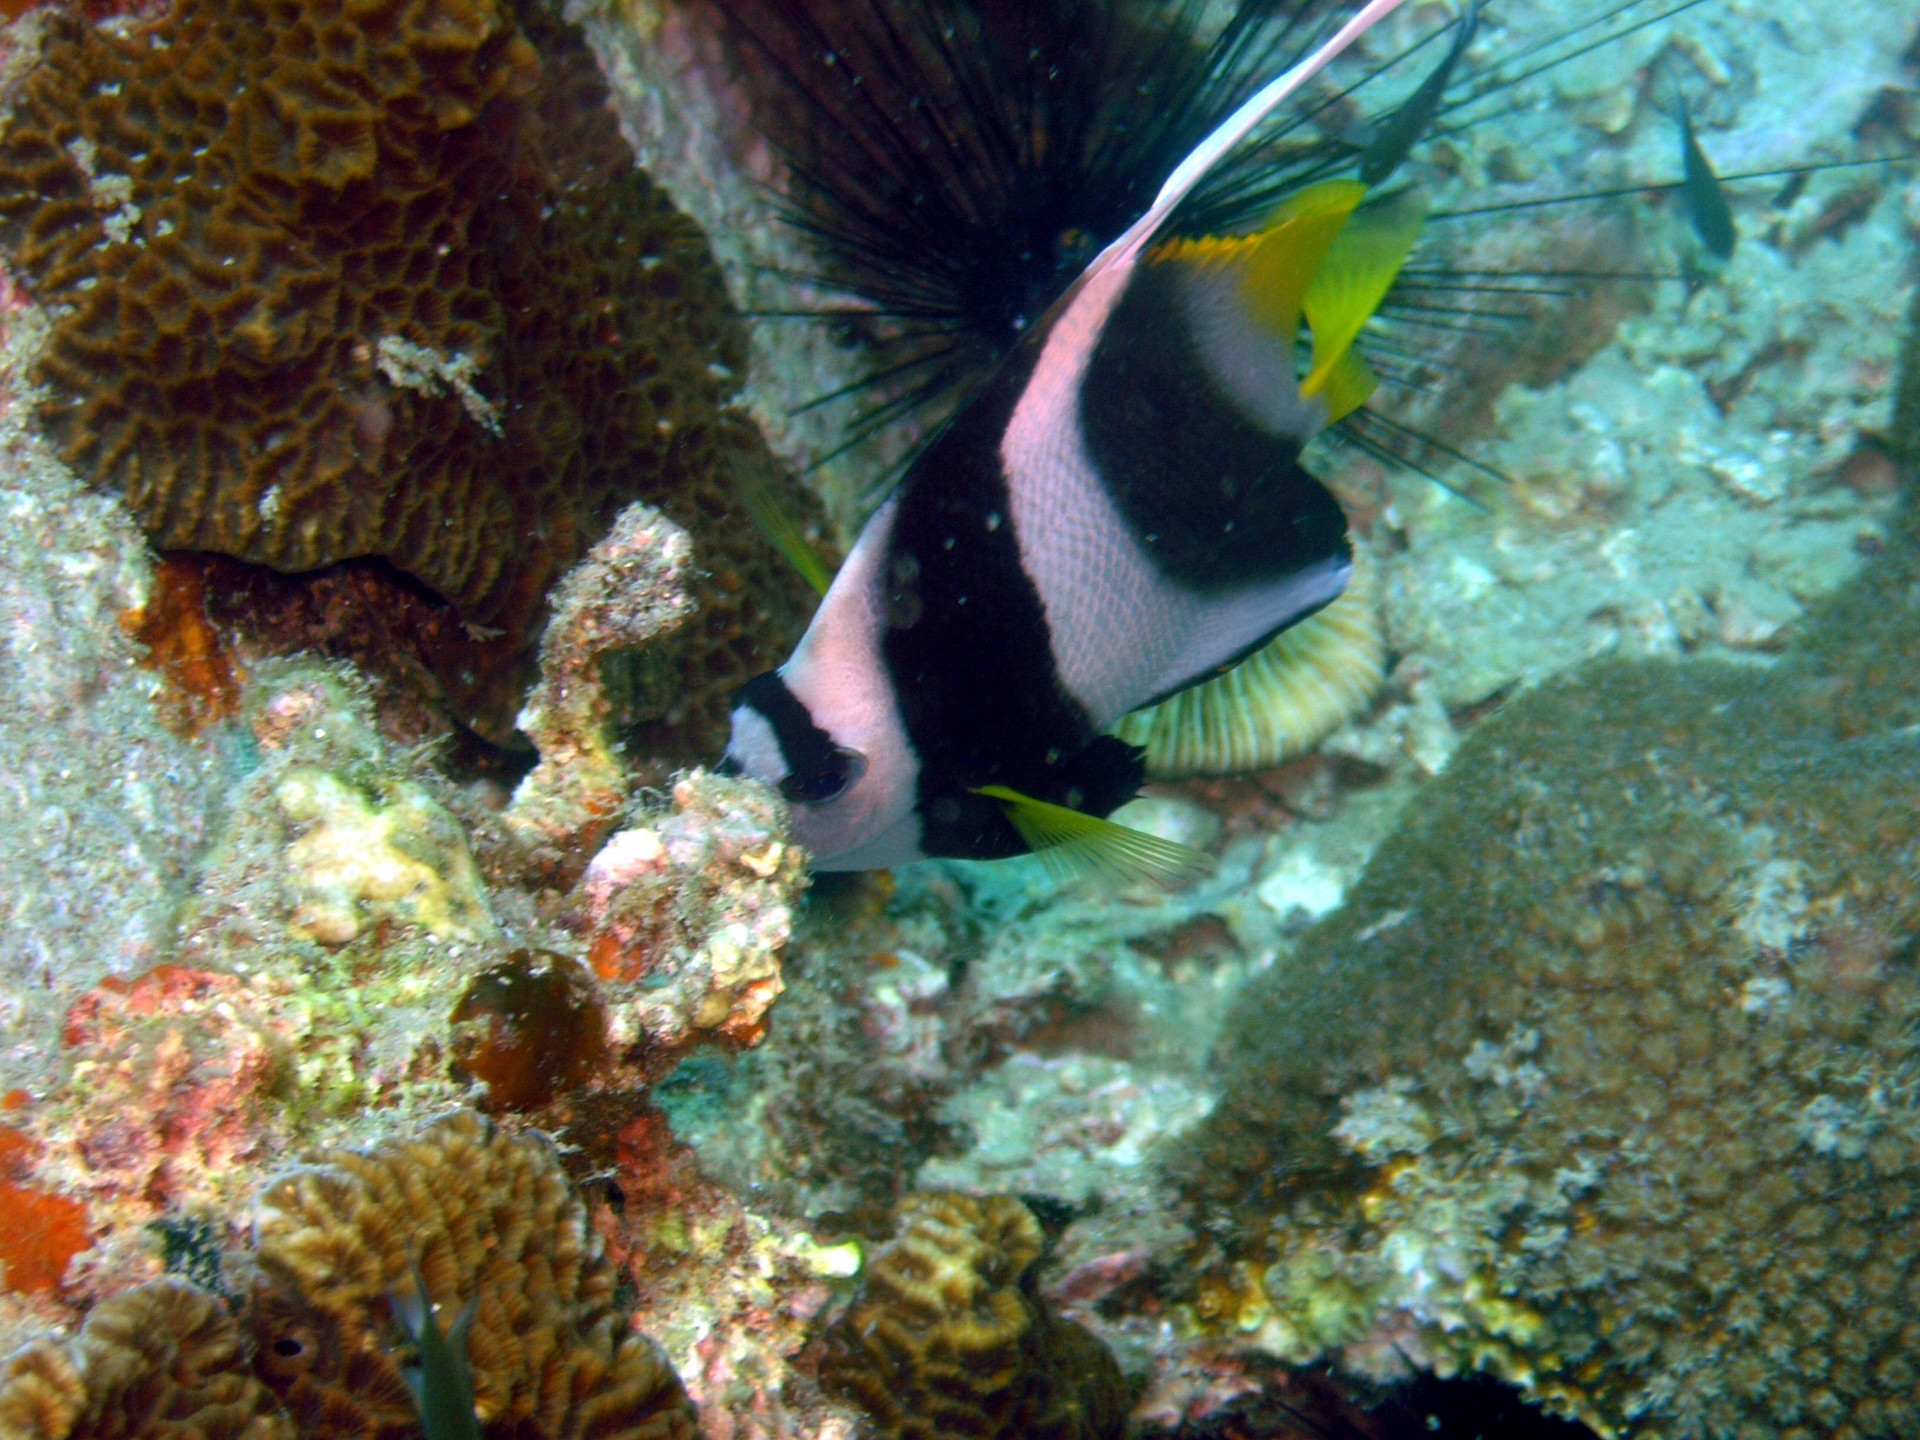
491, 1219
162, 1361
333, 280
948, 1337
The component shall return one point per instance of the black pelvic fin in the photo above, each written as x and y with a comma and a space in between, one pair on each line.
1101, 778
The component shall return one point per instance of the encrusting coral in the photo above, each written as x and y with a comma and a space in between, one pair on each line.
44, 1229
175, 1075
491, 1220
162, 1361
948, 1337
332, 281
685, 912
1607, 1076
632, 588
334, 834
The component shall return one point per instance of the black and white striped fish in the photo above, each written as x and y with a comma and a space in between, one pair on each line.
1119, 515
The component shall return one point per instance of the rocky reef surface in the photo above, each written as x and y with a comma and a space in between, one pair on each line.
1556, 1020
1605, 1074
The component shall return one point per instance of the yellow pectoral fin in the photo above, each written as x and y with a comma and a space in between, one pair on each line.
1359, 268
1074, 845
773, 511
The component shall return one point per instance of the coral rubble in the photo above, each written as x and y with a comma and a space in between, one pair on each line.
947, 1338
1607, 1076
332, 281
1686, 461
734, 1293
685, 912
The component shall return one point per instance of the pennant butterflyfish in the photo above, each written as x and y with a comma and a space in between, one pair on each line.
1114, 522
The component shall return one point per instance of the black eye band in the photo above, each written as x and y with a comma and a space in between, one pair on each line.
818, 771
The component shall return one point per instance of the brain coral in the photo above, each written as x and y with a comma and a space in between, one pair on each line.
1607, 1077
335, 280
947, 1337
162, 1361
491, 1218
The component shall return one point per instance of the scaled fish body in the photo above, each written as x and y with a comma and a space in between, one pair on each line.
1120, 514
439, 1377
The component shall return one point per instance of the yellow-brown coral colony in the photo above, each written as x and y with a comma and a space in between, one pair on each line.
334, 281
162, 1361
1638, 1067
947, 1337
489, 1217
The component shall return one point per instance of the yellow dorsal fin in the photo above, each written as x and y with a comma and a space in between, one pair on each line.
1074, 845
1277, 264
1351, 280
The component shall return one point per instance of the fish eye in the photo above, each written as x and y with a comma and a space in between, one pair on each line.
290, 1353
828, 782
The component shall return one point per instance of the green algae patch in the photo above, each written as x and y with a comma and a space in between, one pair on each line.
391, 854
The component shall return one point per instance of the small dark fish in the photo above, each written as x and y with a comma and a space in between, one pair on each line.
1402, 130
442, 1384
1706, 202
